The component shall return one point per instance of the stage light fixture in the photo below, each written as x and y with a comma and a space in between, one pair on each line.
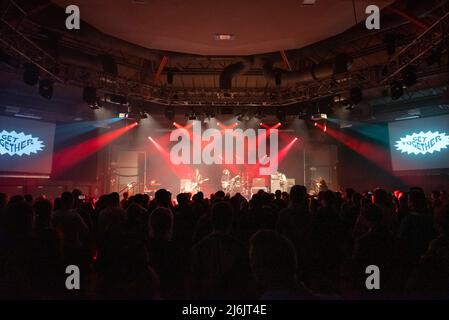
319, 116
30, 74
396, 90
46, 88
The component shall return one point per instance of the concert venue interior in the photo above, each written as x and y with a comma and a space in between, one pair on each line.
292, 149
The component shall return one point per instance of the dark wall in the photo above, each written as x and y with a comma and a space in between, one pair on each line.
84, 170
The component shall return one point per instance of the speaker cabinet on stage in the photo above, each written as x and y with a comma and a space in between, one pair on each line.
259, 182
254, 190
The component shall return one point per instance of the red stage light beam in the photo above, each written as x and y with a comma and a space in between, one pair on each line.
70, 156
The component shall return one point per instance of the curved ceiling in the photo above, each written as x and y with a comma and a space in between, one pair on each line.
259, 26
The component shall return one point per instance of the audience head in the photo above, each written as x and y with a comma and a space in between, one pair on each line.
19, 220
42, 209
278, 194
298, 194
163, 198
372, 214
28, 199
199, 196
161, 224
183, 199
222, 216
327, 199
273, 259
67, 201
219, 195
417, 200
349, 192
380, 197
114, 199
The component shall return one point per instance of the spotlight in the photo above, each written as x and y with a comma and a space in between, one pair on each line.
46, 88
409, 76
319, 116
396, 90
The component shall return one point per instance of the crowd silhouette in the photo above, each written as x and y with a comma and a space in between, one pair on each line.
281, 246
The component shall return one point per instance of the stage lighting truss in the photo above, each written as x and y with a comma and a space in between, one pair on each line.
17, 44
417, 52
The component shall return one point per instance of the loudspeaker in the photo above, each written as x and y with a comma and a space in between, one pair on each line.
258, 183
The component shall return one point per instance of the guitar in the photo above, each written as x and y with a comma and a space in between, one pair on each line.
196, 185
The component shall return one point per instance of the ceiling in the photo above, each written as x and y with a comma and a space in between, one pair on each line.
191, 26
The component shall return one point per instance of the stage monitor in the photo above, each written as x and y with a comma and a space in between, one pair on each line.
419, 144
26, 146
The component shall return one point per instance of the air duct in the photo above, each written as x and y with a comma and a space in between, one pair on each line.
232, 70
325, 70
